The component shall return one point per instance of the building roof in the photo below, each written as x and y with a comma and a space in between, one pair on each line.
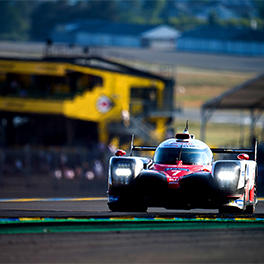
125, 29
161, 32
103, 26
95, 62
249, 95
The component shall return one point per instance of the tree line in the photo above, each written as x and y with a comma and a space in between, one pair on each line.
34, 20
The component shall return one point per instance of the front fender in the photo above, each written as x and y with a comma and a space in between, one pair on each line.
151, 181
200, 183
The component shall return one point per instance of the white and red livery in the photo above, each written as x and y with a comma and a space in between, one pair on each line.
183, 175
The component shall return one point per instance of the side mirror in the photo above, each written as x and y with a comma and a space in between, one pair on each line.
243, 156
120, 152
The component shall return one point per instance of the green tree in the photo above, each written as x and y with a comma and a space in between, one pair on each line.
260, 7
48, 14
45, 16
152, 10
183, 23
213, 18
131, 11
15, 19
102, 9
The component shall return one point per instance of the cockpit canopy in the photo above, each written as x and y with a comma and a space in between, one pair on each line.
188, 156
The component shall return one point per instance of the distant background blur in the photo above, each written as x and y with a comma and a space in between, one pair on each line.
36, 20
199, 49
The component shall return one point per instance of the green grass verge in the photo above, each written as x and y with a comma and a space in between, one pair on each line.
196, 87
123, 226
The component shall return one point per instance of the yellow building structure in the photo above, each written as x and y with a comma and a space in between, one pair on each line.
74, 101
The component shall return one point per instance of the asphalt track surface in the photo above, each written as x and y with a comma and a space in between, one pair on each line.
86, 207
188, 242
221, 62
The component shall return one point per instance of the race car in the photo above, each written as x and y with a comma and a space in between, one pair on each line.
183, 175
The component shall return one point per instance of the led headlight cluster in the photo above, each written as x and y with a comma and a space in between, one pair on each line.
123, 170
227, 174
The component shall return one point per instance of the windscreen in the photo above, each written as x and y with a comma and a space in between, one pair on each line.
187, 156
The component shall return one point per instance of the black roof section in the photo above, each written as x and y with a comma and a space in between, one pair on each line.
225, 33
95, 62
249, 95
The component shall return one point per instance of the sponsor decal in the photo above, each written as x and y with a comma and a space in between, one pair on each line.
180, 169
184, 145
113, 198
175, 180
195, 144
239, 202
104, 104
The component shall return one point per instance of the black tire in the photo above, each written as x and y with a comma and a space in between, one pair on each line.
115, 207
126, 207
222, 210
250, 209
229, 210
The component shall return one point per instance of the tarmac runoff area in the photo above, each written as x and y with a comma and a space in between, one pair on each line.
83, 230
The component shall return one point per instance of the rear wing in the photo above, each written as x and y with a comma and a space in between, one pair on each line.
251, 151
140, 148
144, 148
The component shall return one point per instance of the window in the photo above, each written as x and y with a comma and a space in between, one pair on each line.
187, 156
143, 100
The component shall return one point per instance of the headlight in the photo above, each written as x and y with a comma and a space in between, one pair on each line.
126, 172
226, 175
123, 170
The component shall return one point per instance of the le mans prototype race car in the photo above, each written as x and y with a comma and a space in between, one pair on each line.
183, 175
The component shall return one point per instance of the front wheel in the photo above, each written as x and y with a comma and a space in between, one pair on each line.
229, 210
116, 207
126, 208
250, 208
122, 205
